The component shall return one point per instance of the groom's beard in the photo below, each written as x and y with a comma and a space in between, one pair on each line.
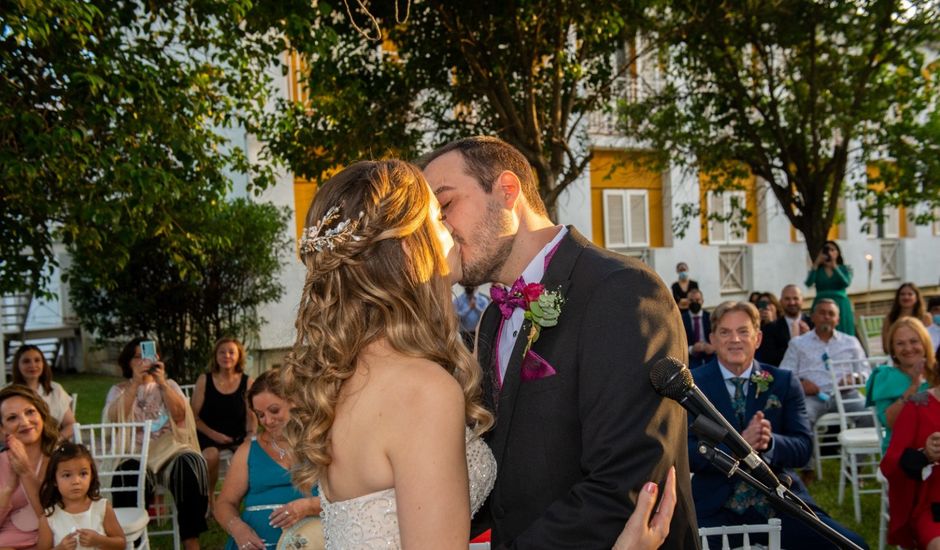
492, 236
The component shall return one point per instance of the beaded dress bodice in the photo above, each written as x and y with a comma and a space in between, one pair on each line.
371, 521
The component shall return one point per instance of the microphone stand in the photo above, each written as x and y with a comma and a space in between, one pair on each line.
780, 498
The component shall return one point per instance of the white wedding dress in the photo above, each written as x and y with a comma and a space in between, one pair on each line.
371, 521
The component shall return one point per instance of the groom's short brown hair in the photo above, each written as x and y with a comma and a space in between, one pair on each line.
486, 158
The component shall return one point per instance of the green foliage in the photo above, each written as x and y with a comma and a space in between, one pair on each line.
112, 109
793, 91
186, 303
526, 71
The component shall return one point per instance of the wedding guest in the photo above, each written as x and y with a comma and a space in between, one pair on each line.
32, 370
174, 455
470, 305
682, 287
259, 477
832, 277
769, 308
933, 309
30, 435
908, 302
910, 465
890, 386
697, 324
218, 402
807, 355
793, 323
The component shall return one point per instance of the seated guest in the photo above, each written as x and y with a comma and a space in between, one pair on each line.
32, 370
807, 354
791, 324
910, 465
933, 309
259, 477
682, 287
765, 404
908, 302
174, 456
889, 386
697, 327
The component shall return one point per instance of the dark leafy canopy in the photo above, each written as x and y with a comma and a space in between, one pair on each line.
528, 71
218, 294
110, 110
794, 91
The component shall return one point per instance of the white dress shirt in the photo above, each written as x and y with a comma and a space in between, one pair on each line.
804, 356
533, 273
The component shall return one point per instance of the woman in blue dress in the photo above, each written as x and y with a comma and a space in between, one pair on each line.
259, 476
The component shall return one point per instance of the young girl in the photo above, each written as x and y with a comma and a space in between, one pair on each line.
75, 514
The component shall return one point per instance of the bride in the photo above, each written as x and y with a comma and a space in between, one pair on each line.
388, 416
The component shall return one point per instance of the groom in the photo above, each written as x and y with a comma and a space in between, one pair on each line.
579, 429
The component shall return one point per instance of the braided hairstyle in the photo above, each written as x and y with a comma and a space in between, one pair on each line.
380, 275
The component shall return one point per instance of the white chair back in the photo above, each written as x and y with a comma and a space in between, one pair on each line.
74, 404
848, 375
771, 528
113, 444
188, 390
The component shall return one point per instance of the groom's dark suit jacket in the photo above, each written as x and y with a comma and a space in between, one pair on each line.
574, 449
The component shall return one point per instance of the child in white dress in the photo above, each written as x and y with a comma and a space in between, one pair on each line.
76, 517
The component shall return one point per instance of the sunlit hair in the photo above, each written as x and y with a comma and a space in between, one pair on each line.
50, 430
931, 371
388, 283
485, 158
49, 494
45, 378
214, 363
725, 308
919, 310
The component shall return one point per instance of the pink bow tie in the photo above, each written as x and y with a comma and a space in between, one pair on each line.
508, 299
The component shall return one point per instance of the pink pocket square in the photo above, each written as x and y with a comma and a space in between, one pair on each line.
534, 367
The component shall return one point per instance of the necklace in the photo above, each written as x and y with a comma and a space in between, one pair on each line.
281, 453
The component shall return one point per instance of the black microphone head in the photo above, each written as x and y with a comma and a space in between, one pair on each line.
670, 378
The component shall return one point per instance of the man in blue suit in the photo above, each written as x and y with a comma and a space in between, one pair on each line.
766, 405
697, 328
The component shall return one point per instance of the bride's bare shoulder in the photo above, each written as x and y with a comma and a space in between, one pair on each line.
419, 385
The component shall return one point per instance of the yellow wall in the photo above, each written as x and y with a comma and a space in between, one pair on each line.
874, 172
625, 170
748, 185
304, 191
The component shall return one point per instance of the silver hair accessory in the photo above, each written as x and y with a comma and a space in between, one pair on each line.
313, 241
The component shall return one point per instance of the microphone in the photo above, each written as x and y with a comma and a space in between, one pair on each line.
670, 378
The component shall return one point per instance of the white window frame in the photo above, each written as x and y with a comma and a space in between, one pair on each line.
627, 240
732, 234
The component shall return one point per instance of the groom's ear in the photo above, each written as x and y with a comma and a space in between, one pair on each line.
508, 188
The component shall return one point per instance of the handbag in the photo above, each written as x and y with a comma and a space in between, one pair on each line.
306, 534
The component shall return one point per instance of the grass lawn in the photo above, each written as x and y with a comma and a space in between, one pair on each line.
93, 388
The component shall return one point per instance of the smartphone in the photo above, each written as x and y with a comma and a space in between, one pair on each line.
148, 350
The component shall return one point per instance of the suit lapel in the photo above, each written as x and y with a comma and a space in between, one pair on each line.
485, 351
755, 402
556, 277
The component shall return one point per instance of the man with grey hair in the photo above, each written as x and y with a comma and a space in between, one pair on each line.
807, 357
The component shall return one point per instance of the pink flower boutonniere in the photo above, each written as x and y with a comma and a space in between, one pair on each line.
542, 307
762, 380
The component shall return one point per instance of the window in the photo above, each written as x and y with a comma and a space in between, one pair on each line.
626, 219
890, 225
730, 231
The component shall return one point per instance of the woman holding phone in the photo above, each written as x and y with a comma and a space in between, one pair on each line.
174, 450
832, 277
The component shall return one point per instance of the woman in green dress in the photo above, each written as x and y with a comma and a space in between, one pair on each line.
889, 386
832, 277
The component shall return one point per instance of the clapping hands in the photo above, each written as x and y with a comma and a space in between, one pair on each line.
932, 447
758, 432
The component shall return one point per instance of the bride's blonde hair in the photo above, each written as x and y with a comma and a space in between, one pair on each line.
375, 269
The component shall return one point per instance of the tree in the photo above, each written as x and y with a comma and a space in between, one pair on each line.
187, 309
794, 91
527, 71
109, 107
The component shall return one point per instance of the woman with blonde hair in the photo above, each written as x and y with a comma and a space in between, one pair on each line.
387, 413
31, 369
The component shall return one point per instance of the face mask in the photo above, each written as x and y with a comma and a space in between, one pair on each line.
683, 275
695, 307
936, 319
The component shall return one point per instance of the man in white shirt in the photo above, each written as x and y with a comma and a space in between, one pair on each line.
807, 356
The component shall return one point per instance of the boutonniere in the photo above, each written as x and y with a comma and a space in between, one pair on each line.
773, 402
761, 379
542, 307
